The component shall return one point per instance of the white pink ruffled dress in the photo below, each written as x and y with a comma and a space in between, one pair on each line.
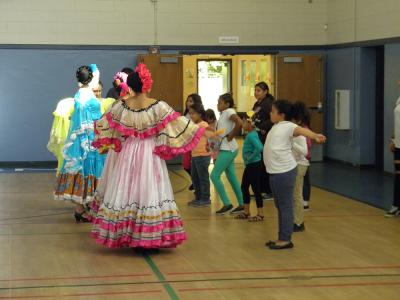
135, 205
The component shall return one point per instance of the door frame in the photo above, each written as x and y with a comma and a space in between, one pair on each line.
379, 107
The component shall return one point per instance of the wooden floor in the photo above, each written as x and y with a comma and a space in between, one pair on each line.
348, 251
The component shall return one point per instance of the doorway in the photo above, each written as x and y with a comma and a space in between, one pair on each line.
379, 107
236, 74
214, 78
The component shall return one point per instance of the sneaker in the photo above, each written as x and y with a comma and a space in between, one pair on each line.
267, 197
237, 210
393, 212
224, 209
299, 228
306, 205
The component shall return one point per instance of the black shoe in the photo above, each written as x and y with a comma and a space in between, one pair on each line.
269, 243
191, 202
274, 246
237, 210
299, 228
224, 209
80, 218
146, 251
267, 197
306, 207
191, 187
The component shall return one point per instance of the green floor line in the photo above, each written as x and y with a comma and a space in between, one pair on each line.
160, 277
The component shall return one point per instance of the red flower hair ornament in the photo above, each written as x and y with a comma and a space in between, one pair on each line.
145, 77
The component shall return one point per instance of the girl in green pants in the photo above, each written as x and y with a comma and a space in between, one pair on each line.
231, 125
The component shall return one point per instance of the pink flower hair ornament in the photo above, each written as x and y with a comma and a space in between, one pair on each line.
121, 76
145, 77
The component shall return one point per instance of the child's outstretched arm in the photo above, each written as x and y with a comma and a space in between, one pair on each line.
319, 138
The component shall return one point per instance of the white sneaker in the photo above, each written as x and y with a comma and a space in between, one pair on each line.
393, 212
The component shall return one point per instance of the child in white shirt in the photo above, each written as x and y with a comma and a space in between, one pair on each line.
282, 167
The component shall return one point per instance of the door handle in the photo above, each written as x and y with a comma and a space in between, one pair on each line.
317, 108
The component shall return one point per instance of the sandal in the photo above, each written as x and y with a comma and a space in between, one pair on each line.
242, 216
257, 218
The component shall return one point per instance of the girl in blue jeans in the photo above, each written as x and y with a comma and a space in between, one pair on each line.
231, 125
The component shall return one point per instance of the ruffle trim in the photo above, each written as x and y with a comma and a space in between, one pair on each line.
167, 241
132, 227
108, 143
128, 233
167, 152
73, 164
141, 134
94, 208
76, 188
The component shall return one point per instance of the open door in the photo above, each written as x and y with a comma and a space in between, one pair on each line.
300, 77
167, 73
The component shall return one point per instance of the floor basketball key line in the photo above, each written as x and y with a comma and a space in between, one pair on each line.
30, 217
187, 219
352, 284
45, 233
77, 277
287, 270
173, 295
81, 295
206, 272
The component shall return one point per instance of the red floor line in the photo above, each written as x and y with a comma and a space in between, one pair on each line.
81, 295
221, 219
78, 277
307, 216
333, 285
285, 270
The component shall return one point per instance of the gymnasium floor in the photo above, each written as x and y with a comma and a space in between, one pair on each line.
348, 251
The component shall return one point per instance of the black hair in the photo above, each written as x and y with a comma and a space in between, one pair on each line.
134, 82
243, 116
210, 114
227, 98
263, 85
84, 75
127, 70
284, 107
196, 99
100, 83
301, 113
199, 108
